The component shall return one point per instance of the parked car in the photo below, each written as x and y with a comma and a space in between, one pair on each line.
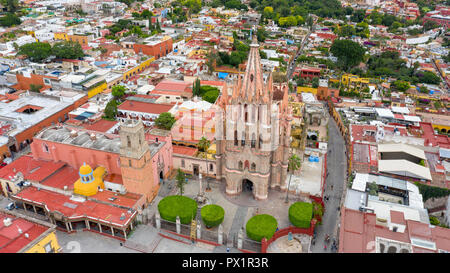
3, 164
10, 206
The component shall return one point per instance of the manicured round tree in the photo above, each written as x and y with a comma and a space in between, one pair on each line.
300, 214
176, 205
261, 226
212, 215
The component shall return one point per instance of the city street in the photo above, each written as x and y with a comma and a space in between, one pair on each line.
336, 168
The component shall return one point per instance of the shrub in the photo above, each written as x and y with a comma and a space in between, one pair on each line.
431, 192
300, 214
175, 205
434, 221
261, 226
212, 215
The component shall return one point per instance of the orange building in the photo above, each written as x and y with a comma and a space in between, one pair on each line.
24, 82
32, 112
155, 47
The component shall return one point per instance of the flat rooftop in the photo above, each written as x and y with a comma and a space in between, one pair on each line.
47, 106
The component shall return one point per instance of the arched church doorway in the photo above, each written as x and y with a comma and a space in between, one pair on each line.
247, 185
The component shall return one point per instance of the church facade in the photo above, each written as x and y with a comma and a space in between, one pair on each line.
253, 133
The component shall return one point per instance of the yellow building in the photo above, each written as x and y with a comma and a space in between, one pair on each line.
137, 69
25, 234
47, 244
304, 89
90, 181
354, 80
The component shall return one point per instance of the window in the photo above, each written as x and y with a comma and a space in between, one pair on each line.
260, 141
182, 163
48, 248
211, 167
128, 141
253, 167
235, 139
253, 142
241, 165
129, 163
243, 139
45, 148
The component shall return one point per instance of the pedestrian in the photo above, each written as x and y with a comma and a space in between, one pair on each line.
228, 250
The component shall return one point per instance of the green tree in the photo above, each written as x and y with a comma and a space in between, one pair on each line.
181, 178
10, 19
315, 82
165, 121
67, 50
347, 31
196, 88
35, 88
11, 5
430, 25
110, 110
293, 165
118, 91
401, 86
36, 51
349, 53
428, 77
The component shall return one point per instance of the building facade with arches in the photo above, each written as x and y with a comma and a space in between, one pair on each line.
252, 133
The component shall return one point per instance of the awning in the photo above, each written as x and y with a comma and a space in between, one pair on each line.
222, 75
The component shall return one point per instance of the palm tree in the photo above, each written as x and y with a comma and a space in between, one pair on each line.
294, 164
203, 145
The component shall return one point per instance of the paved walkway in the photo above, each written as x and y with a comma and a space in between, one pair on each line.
336, 168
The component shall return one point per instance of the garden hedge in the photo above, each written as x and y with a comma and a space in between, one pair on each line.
212, 215
300, 214
176, 205
261, 226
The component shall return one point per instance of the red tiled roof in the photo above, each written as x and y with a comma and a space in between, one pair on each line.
34, 170
184, 150
101, 125
145, 107
57, 202
172, 86
128, 200
359, 229
114, 178
66, 176
214, 83
11, 240
358, 132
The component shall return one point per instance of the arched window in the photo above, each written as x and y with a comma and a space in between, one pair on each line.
392, 249
211, 167
253, 142
241, 166
245, 113
253, 168
382, 248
